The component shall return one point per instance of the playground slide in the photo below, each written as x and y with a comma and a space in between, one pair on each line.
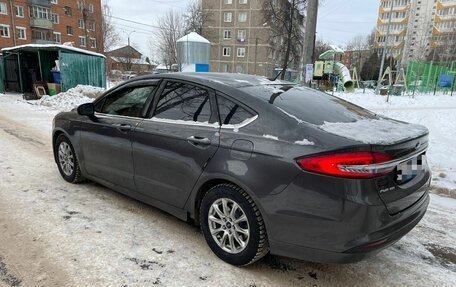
344, 77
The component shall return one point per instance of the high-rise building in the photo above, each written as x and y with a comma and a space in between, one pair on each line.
242, 41
417, 28
51, 22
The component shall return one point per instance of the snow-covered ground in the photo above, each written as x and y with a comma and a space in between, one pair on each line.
437, 113
56, 234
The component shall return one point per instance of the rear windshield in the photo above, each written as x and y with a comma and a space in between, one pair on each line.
308, 105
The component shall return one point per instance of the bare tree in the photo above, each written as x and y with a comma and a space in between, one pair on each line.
285, 17
358, 43
171, 28
109, 36
320, 47
196, 18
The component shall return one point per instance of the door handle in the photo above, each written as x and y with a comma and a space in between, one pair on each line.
199, 140
122, 127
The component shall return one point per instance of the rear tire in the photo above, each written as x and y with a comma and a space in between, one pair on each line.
232, 225
67, 160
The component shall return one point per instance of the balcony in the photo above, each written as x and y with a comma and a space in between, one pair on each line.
40, 41
41, 23
42, 3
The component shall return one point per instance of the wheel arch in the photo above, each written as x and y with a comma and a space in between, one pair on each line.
204, 185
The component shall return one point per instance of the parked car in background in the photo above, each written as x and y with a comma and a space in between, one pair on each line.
262, 166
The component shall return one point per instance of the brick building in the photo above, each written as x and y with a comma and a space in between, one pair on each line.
51, 22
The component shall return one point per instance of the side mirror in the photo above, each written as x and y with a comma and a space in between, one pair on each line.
87, 110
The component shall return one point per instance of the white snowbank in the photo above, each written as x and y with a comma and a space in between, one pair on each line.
372, 131
70, 99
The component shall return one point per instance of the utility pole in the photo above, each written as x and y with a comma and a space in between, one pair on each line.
309, 37
388, 29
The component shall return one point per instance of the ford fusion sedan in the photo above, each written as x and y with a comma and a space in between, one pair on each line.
260, 165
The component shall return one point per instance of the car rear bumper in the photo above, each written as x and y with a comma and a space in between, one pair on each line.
335, 230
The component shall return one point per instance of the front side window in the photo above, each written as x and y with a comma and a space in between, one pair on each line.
129, 102
184, 102
232, 113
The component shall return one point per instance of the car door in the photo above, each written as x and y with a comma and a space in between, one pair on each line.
172, 147
106, 138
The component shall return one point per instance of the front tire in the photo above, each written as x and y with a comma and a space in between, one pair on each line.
232, 225
67, 161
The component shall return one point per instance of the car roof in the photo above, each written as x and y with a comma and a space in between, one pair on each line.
218, 80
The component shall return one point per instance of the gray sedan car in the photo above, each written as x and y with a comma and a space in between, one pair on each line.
262, 166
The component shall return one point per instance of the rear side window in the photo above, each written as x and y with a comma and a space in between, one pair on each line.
232, 113
184, 102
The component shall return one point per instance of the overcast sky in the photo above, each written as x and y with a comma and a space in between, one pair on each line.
338, 20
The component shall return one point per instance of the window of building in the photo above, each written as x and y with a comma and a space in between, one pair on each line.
68, 11
21, 33
39, 35
70, 30
242, 1
184, 102
241, 34
92, 25
3, 8
241, 52
227, 17
54, 1
240, 69
55, 18
39, 12
228, 2
81, 24
19, 11
226, 51
93, 43
225, 68
90, 8
57, 37
4, 31
82, 41
80, 5
227, 34
242, 17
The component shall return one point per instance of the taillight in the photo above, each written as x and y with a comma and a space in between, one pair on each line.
349, 165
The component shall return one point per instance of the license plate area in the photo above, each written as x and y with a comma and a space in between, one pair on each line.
408, 170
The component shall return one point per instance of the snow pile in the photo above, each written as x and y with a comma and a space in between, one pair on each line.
305, 142
70, 99
372, 131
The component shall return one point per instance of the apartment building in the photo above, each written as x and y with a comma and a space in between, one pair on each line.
51, 22
414, 29
241, 40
